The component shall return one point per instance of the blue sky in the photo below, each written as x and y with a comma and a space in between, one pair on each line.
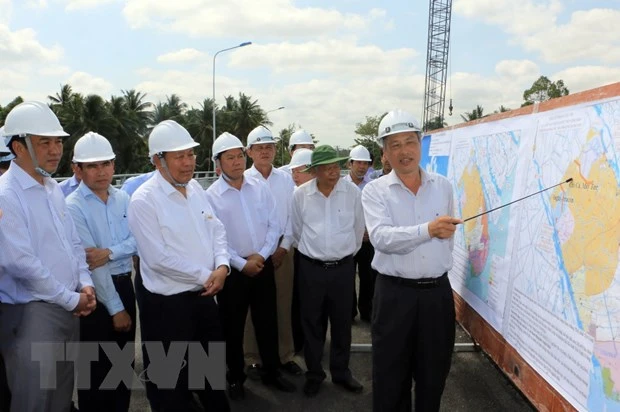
329, 63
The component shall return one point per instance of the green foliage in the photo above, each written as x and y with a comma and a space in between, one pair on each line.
127, 120
544, 89
367, 132
477, 113
436, 123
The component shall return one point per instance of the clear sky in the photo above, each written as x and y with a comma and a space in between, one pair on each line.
330, 63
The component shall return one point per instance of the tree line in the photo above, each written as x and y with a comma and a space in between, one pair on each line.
127, 120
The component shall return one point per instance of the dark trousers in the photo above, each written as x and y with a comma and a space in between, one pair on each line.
326, 293
184, 317
298, 333
151, 389
98, 327
241, 292
367, 276
412, 338
5, 393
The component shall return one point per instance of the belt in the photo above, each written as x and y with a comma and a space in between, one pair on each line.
122, 276
327, 263
424, 283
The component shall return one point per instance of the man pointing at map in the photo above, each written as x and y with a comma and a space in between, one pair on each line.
409, 220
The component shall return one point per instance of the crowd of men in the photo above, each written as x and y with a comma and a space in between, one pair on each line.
263, 260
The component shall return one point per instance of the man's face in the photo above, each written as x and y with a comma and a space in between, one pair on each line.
359, 168
299, 176
262, 154
48, 151
97, 175
181, 165
402, 151
327, 175
232, 163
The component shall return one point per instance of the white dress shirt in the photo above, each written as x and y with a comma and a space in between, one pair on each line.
250, 217
180, 240
42, 258
397, 222
328, 228
282, 188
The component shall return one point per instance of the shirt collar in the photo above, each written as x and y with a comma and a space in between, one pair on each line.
165, 185
393, 178
340, 186
86, 192
24, 179
221, 185
255, 173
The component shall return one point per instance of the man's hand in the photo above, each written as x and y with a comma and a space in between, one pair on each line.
121, 321
443, 227
278, 257
87, 303
96, 257
252, 268
215, 283
257, 257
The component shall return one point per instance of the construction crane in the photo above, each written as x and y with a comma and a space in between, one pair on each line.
439, 15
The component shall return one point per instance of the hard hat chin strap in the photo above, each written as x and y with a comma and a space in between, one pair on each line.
35, 162
164, 166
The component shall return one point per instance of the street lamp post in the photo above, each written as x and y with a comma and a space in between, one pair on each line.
247, 43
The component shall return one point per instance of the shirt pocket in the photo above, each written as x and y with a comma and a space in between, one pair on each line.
344, 220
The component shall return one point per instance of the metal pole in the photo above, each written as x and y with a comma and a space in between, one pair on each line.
247, 43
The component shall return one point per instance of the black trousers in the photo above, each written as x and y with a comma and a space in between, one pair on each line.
367, 276
5, 393
98, 327
241, 292
298, 333
326, 293
184, 317
412, 338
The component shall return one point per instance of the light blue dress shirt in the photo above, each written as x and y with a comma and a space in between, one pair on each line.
105, 225
133, 183
41, 258
69, 185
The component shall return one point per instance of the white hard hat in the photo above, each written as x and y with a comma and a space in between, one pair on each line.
397, 121
360, 153
301, 157
169, 136
224, 142
260, 135
33, 118
300, 137
92, 147
3, 149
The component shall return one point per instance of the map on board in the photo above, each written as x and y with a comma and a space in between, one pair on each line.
565, 273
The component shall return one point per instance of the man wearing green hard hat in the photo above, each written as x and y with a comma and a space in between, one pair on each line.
328, 225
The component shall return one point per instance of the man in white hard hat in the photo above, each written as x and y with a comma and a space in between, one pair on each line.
300, 139
44, 278
247, 208
261, 148
328, 225
385, 169
184, 262
409, 219
359, 162
99, 212
298, 168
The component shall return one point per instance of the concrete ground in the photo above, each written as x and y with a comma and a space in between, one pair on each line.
474, 384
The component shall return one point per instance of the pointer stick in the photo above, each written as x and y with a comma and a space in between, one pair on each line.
518, 200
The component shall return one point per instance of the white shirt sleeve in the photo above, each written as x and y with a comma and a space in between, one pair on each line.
385, 236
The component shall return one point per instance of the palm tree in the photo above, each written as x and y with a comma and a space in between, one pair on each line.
138, 110
477, 113
199, 122
247, 115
